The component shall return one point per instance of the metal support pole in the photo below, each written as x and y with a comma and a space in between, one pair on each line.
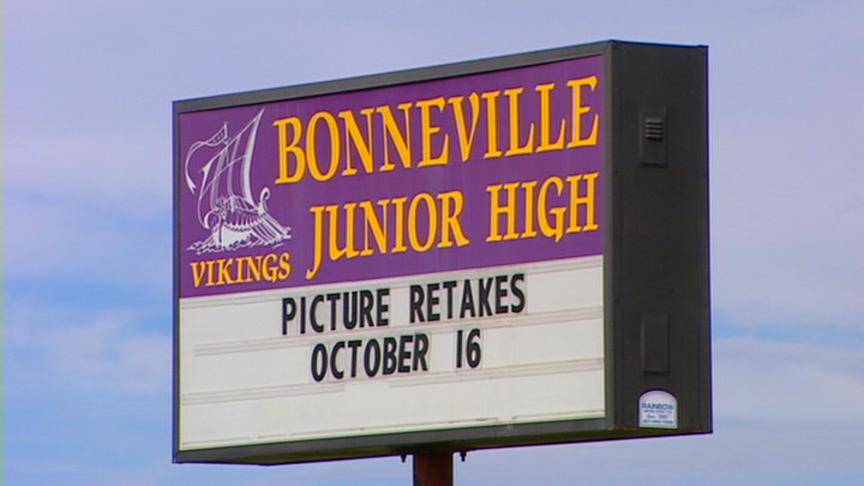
433, 468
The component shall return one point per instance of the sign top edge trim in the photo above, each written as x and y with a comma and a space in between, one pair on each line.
404, 76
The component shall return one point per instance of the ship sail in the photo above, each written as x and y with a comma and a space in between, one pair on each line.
226, 205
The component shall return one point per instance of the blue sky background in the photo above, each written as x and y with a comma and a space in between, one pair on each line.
87, 91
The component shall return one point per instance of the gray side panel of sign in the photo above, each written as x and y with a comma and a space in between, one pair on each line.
657, 280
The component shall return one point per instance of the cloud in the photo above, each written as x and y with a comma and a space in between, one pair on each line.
737, 453
100, 351
82, 242
787, 183
130, 174
793, 383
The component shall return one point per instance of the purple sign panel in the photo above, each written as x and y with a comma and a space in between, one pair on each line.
474, 171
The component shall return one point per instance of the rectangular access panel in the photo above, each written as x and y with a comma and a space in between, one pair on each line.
503, 252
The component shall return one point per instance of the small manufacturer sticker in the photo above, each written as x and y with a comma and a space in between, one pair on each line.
658, 410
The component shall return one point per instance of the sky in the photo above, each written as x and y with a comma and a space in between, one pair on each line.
86, 176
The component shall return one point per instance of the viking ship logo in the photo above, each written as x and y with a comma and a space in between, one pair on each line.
226, 206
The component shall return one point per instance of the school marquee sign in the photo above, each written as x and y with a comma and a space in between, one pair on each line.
503, 252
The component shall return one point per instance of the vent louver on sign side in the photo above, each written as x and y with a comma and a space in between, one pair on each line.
653, 128
653, 136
